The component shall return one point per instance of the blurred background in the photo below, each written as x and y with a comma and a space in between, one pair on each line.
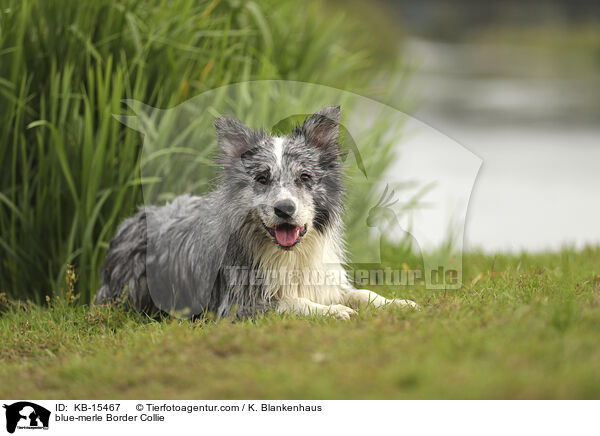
516, 83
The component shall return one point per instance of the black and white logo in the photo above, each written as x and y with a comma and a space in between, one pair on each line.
26, 415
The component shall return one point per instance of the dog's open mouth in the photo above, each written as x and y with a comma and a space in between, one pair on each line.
287, 235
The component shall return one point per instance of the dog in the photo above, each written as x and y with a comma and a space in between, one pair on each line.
277, 211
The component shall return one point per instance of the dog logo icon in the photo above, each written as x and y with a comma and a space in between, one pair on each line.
26, 415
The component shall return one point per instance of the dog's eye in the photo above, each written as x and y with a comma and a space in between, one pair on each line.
262, 179
304, 178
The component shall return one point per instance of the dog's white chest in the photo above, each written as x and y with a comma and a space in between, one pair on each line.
313, 270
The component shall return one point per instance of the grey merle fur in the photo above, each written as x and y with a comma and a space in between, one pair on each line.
176, 258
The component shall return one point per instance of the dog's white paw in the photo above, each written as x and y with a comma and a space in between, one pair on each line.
340, 311
405, 303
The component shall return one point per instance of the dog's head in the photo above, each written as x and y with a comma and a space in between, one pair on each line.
291, 184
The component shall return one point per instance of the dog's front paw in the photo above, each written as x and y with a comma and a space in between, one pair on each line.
405, 304
340, 311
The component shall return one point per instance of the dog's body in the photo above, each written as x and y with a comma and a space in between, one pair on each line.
269, 237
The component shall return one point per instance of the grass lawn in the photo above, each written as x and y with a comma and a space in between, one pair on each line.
523, 326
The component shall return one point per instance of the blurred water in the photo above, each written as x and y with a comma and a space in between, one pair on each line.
538, 136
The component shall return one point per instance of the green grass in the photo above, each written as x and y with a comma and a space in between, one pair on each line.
522, 326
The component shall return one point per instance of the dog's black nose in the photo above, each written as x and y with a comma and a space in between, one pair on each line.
285, 208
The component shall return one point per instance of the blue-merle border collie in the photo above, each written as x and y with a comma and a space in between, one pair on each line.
269, 237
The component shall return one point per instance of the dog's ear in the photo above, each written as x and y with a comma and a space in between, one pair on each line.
234, 138
322, 129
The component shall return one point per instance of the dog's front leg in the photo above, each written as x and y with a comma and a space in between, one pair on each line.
364, 297
304, 306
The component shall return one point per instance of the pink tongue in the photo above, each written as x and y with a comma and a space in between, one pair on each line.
286, 236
